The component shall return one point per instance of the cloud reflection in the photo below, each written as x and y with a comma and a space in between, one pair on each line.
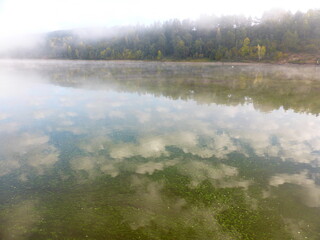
310, 194
26, 149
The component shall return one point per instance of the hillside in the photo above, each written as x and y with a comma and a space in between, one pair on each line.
280, 37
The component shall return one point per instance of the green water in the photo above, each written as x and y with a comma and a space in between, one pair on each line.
141, 150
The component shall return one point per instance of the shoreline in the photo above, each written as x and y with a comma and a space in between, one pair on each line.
202, 62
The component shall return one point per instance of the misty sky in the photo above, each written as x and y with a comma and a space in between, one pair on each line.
32, 16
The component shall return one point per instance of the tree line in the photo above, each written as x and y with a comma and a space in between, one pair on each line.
271, 37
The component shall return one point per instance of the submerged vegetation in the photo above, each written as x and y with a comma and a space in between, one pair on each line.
164, 204
273, 37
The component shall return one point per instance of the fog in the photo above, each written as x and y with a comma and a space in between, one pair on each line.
21, 20
18, 16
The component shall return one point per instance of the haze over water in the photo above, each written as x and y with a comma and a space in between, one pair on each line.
151, 150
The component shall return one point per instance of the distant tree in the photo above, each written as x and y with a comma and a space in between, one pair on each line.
109, 52
127, 54
290, 41
219, 54
69, 51
103, 54
228, 54
159, 55
245, 49
180, 50
77, 55
218, 36
261, 51
198, 45
226, 37
139, 54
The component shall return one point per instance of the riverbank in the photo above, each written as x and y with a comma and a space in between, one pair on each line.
290, 59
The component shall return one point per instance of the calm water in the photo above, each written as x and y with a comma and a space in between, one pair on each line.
140, 150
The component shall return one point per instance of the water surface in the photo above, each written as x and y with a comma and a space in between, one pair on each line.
142, 150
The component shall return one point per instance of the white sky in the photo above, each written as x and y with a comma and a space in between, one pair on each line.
32, 16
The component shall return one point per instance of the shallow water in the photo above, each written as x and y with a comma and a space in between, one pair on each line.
146, 150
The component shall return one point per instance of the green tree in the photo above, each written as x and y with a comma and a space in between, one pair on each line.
180, 50
228, 37
290, 41
127, 54
261, 50
69, 51
103, 54
77, 54
245, 49
198, 45
159, 55
139, 54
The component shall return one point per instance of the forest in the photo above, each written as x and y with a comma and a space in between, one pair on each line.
274, 36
